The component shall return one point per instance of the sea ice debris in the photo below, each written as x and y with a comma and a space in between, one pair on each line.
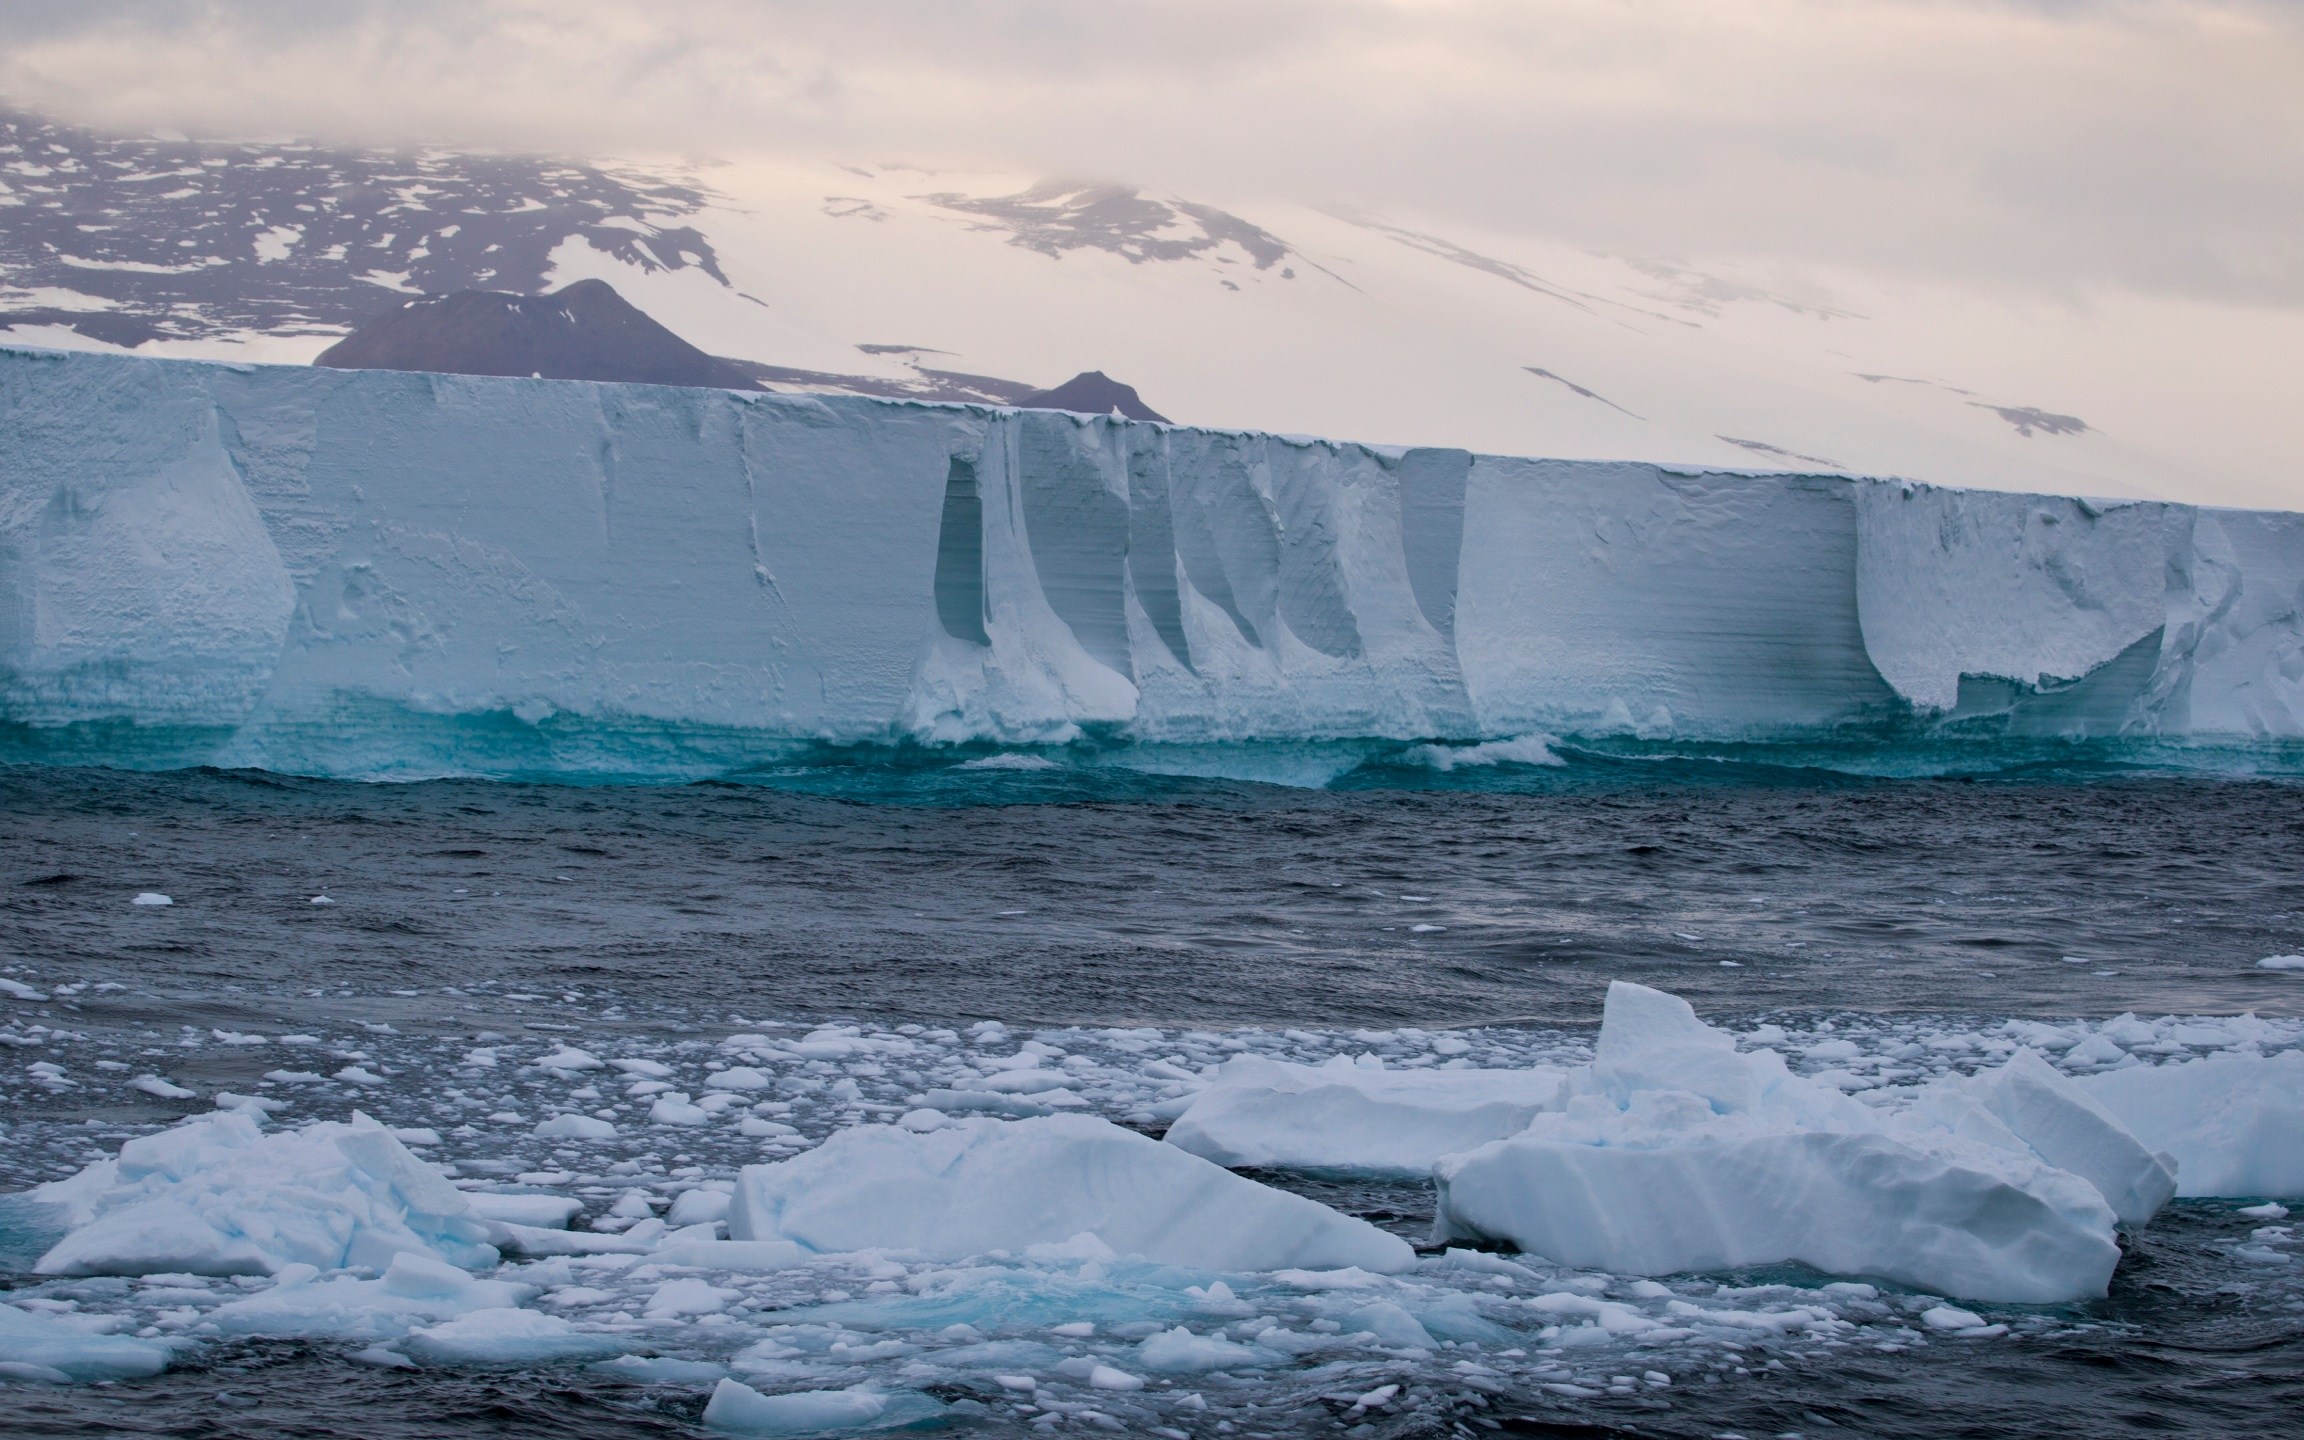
508, 1337
573, 1126
739, 1408
70, 1351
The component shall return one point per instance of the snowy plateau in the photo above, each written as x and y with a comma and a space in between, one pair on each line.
372, 573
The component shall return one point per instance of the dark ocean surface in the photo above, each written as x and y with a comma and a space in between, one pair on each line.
1088, 897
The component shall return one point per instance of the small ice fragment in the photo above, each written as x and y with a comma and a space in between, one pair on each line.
1104, 1377
751, 1256
1417, 899
573, 1126
1179, 1351
736, 1406
509, 1337
675, 1298
154, 1085
382, 1359
52, 1348
1017, 1382
542, 1212
324, 900
1074, 1329
1684, 935
2270, 1210
20, 990
2281, 962
1376, 1397
1733, 964
1424, 929
152, 897
673, 1108
1952, 1317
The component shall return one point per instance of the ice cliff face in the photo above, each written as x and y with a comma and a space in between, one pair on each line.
334, 570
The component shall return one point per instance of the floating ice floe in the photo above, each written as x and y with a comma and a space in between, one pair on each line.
738, 1407
67, 1349
972, 1187
509, 1337
1682, 1154
2234, 1122
1352, 1118
217, 1195
413, 1291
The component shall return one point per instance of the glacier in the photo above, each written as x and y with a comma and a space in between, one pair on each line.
371, 573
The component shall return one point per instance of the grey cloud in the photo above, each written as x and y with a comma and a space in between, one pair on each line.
2054, 148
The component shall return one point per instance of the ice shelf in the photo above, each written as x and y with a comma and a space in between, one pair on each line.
363, 572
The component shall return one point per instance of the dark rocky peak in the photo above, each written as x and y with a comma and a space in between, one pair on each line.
1092, 392
584, 331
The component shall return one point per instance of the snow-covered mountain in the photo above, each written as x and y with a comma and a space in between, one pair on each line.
885, 279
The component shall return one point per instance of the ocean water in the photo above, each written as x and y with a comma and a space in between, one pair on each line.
877, 922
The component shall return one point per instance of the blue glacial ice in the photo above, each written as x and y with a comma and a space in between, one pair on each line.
371, 573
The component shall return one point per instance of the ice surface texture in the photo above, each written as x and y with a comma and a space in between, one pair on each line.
1357, 1119
371, 572
974, 1186
2234, 1122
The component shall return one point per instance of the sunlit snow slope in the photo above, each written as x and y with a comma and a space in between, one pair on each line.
332, 570
1279, 316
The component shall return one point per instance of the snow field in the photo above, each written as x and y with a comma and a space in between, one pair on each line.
645, 1287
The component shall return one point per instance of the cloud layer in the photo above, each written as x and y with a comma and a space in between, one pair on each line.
2056, 149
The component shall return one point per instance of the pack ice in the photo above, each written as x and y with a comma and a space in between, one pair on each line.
1677, 1152
362, 572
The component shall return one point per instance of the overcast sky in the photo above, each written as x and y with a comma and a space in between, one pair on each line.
2043, 147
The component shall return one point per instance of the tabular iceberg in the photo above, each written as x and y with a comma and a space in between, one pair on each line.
360, 572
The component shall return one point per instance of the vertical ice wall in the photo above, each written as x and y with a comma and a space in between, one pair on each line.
338, 563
